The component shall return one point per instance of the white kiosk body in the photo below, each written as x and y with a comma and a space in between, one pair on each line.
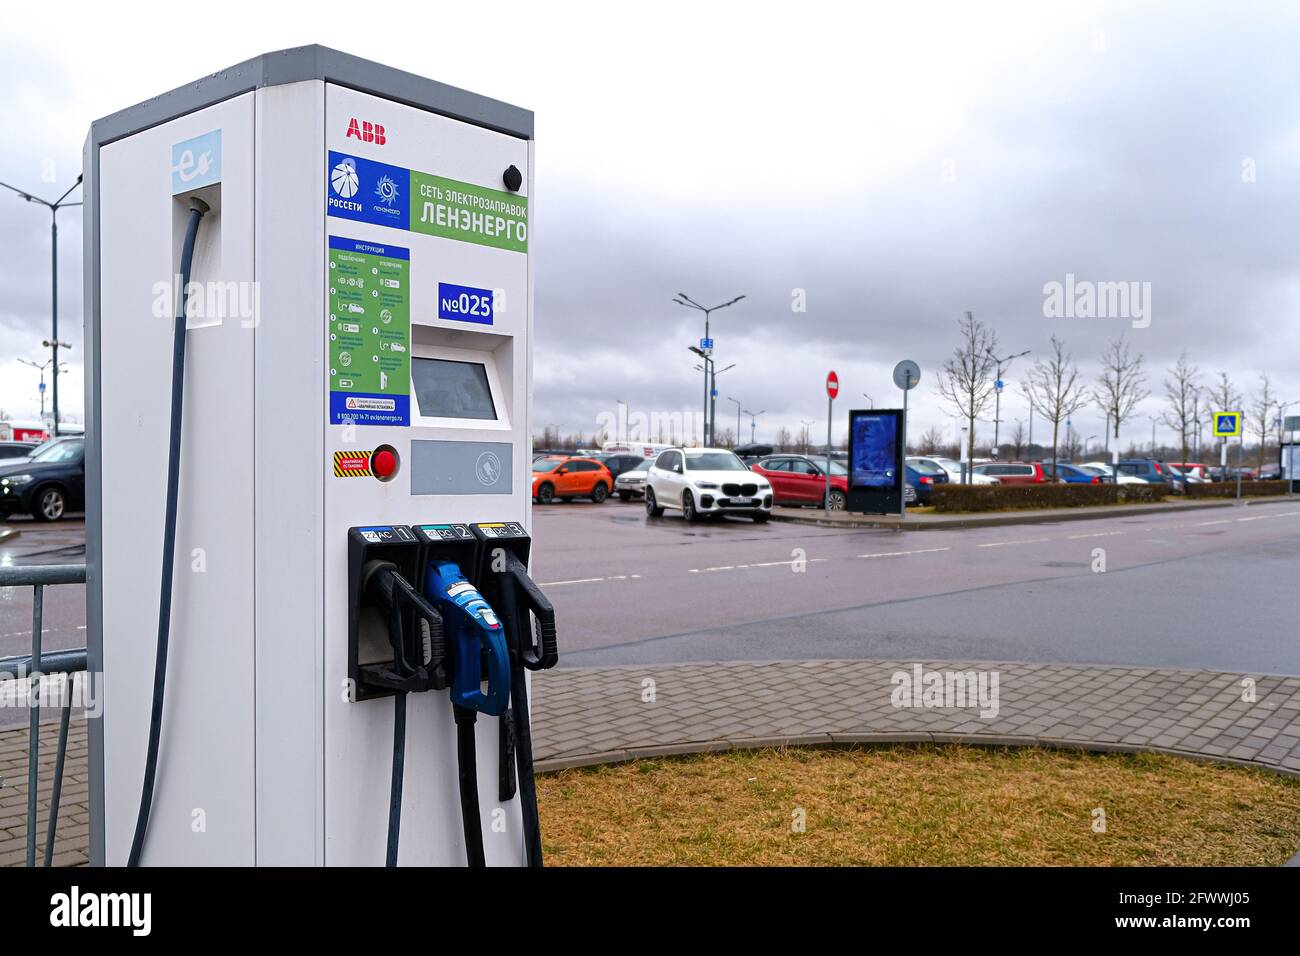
362, 281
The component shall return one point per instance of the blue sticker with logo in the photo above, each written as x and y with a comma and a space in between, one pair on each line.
463, 303
367, 191
196, 162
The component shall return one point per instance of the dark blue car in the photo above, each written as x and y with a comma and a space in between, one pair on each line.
923, 482
47, 485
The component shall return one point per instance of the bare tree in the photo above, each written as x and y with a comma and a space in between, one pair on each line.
783, 438
1018, 438
1182, 396
1057, 392
804, 441
1120, 387
725, 438
931, 441
1261, 408
966, 379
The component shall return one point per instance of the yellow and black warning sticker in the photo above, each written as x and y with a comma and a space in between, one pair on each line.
352, 464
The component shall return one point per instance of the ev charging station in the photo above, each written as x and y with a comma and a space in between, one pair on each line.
309, 321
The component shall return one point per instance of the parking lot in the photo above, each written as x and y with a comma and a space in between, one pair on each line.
1197, 589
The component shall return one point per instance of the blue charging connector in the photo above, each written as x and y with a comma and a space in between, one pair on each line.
472, 628
475, 637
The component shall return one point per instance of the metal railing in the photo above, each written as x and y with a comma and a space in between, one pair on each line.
33, 668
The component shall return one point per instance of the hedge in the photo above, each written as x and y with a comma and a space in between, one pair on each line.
957, 497
1228, 489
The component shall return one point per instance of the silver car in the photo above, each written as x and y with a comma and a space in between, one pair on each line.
631, 484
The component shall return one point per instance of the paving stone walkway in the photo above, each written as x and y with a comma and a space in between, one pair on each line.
584, 716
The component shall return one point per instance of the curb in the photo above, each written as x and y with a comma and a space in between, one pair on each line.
836, 741
997, 519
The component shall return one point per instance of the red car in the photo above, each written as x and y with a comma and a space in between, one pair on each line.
800, 480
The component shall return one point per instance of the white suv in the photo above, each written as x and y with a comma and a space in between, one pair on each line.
706, 481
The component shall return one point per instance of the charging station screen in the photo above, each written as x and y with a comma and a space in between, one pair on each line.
450, 389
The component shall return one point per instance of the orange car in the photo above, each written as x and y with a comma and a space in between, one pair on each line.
569, 478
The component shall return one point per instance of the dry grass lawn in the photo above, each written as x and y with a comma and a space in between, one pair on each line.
917, 806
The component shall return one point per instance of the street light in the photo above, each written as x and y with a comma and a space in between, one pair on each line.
685, 300
41, 367
1003, 364
54, 342
737, 401
871, 402
806, 437
753, 419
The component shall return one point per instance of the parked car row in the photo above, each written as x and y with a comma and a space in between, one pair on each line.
702, 481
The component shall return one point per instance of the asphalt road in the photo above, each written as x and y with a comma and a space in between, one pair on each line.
1211, 588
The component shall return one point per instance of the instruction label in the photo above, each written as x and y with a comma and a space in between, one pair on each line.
369, 329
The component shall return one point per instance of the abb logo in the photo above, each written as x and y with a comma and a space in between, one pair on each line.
366, 132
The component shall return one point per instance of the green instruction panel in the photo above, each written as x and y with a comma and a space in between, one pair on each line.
369, 333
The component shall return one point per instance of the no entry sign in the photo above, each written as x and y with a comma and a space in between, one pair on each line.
832, 385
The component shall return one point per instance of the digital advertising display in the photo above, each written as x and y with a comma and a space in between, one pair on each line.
875, 460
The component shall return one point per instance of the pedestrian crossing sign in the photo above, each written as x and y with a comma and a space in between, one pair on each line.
1227, 424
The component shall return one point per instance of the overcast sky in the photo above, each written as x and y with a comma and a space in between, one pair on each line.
899, 167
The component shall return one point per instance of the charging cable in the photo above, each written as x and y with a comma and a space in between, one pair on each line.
197, 208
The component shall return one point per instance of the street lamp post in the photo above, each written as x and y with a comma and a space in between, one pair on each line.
871, 402
54, 342
1002, 364
684, 300
753, 422
730, 399
807, 430
41, 367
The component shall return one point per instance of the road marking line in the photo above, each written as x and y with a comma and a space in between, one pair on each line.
895, 554
1003, 544
1256, 518
759, 564
1098, 534
556, 584
1203, 524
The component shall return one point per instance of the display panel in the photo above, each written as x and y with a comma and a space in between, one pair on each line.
449, 389
875, 460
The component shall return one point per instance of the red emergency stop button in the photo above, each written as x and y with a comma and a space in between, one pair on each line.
383, 463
